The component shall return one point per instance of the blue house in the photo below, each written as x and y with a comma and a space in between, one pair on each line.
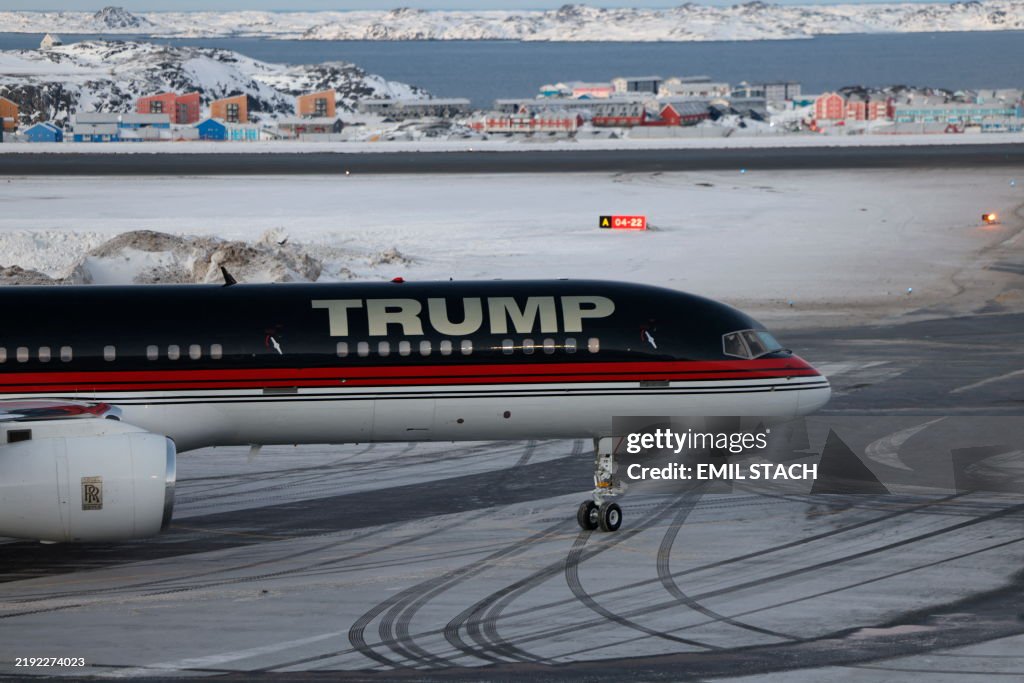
43, 132
96, 132
212, 129
240, 132
215, 129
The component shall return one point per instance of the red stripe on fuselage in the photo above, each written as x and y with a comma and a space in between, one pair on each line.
403, 375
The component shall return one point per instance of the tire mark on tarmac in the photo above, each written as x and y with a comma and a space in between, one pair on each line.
760, 581
672, 588
480, 620
397, 611
572, 578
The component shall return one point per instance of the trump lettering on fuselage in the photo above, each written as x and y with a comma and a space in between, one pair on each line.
501, 314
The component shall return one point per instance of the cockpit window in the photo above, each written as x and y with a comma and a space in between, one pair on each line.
749, 344
754, 343
732, 345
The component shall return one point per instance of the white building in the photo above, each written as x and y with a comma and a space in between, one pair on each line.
693, 86
50, 40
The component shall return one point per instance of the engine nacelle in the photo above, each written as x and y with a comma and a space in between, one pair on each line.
84, 480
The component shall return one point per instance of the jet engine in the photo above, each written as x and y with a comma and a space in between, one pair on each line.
84, 480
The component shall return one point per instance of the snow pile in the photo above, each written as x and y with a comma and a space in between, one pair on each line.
16, 275
108, 76
152, 257
572, 22
148, 257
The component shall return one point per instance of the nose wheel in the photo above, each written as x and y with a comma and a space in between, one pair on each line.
606, 516
599, 512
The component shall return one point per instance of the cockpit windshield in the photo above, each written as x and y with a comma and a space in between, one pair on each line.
749, 344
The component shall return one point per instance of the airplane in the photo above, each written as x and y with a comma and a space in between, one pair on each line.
102, 386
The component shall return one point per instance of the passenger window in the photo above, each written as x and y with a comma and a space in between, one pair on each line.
44, 354
3, 354
404, 348
216, 351
342, 349
528, 347
445, 348
65, 354
593, 345
173, 352
466, 347
195, 351
507, 347
549, 346
152, 352
363, 349
109, 353
384, 349
570, 345
732, 345
22, 354
425, 348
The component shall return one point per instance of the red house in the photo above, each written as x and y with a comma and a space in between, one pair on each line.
182, 109
830, 107
680, 114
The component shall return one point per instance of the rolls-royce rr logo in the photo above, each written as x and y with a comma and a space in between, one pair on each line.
92, 493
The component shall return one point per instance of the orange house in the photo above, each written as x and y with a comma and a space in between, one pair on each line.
318, 104
231, 109
830, 107
871, 110
181, 108
8, 113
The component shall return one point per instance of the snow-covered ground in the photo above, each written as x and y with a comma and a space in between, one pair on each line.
791, 247
571, 22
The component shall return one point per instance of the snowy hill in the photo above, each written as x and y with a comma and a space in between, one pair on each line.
119, 18
688, 22
108, 76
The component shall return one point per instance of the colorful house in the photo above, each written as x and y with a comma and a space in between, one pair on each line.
212, 129
182, 109
231, 109
215, 129
681, 113
43, 132
316, 105
830, 107
8, 113
591, 91
96, 132
538, 122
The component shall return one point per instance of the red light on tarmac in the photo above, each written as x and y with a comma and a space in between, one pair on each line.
989, 218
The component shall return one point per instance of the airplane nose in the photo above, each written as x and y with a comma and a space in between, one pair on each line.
812, 399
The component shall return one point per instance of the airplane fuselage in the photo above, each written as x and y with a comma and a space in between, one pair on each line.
356, 362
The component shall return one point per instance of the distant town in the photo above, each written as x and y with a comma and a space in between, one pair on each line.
639, 107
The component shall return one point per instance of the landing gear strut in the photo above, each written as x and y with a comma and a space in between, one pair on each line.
600, 512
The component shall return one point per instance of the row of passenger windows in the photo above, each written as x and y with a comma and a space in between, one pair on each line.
174, 352
44, 354
465, 347
362, 349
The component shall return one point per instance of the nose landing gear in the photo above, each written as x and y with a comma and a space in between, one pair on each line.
600, 512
